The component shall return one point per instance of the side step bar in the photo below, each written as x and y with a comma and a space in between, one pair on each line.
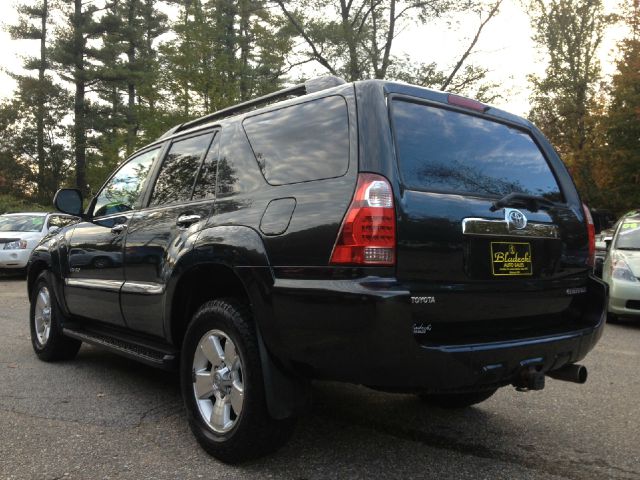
155, 357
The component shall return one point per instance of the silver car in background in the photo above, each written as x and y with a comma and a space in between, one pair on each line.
622, 268
21, 232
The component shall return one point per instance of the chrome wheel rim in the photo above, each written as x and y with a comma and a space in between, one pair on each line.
42, 315
218, 381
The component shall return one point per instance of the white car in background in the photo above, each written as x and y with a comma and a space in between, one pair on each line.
21, 232
622, 268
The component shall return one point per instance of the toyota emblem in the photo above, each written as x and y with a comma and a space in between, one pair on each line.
516, 218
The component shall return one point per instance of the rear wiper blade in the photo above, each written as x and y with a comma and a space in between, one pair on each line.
532, 203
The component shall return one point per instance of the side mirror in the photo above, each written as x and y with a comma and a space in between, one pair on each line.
607, 242
68, 200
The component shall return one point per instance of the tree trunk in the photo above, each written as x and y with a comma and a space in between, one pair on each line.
79, 129
132, 127
42, 188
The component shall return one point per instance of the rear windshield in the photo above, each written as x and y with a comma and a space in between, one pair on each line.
445, 151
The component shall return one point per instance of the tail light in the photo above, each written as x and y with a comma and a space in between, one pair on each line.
591, 231
368, 232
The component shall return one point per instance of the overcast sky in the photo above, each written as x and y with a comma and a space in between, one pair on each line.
505, 48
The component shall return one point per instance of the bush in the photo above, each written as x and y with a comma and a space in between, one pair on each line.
11, 204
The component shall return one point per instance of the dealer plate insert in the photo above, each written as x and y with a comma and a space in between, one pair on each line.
511, 258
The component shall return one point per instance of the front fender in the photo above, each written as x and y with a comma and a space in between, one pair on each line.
51, 254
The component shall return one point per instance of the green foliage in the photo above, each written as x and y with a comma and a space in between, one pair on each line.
12, 204
621, 123
570, 33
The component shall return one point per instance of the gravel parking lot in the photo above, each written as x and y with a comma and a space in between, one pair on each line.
102, 416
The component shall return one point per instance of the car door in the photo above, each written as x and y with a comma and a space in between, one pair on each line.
157, 235
96, 273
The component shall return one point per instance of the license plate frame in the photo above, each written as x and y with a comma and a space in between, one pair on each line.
511, 259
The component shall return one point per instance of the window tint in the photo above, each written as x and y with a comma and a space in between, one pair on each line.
442, 150
179, 169
123, 191
304, 142
206, 184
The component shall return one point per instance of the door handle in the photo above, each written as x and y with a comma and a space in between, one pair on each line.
187, 220
119, 228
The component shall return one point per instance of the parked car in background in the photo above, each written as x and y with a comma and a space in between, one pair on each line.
603, 242
622, 268
21, 232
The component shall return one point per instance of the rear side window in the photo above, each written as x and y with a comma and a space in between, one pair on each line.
445, 151
179, 169
304, 142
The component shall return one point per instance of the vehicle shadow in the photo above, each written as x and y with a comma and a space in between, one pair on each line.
348, 429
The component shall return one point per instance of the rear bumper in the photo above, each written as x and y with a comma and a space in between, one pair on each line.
362, 331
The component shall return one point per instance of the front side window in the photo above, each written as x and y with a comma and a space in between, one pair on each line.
447, 151
179, 169
60, 221
122, 192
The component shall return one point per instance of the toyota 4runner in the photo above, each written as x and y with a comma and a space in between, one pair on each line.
371, 232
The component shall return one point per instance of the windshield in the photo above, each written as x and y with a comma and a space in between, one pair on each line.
21, 223
629, 235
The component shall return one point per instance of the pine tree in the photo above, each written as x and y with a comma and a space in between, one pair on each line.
622, 122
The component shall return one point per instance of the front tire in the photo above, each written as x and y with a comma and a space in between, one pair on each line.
453, 401
45, 321
222, 385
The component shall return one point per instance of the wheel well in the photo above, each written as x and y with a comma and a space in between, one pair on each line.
34, 272
199, 285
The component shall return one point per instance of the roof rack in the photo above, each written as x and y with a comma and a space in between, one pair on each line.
310, 86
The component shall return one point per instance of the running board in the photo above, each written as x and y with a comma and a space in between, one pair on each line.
159, 358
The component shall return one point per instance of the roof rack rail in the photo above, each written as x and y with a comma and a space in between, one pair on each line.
310, 86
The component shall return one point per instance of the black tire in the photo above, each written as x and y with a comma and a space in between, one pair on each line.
56, 346
254, 433
452, 401
612, 318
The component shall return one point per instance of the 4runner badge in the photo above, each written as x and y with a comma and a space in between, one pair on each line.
421, 329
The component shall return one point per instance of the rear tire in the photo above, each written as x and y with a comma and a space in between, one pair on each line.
452, 401
45, 321
222, 385
612, 318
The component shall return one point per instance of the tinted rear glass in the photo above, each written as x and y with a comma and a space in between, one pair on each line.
304, 142
447, 151
179, 169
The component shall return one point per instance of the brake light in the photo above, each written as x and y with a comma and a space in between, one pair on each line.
465, 102
368, 232
591, 231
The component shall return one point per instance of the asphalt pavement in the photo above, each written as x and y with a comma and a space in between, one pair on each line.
105, 417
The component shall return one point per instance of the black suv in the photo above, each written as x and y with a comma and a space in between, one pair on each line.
370, 232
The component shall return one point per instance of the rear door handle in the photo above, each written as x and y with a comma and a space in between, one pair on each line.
119, 228
186, 220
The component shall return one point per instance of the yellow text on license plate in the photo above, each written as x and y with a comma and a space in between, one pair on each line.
511, 258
